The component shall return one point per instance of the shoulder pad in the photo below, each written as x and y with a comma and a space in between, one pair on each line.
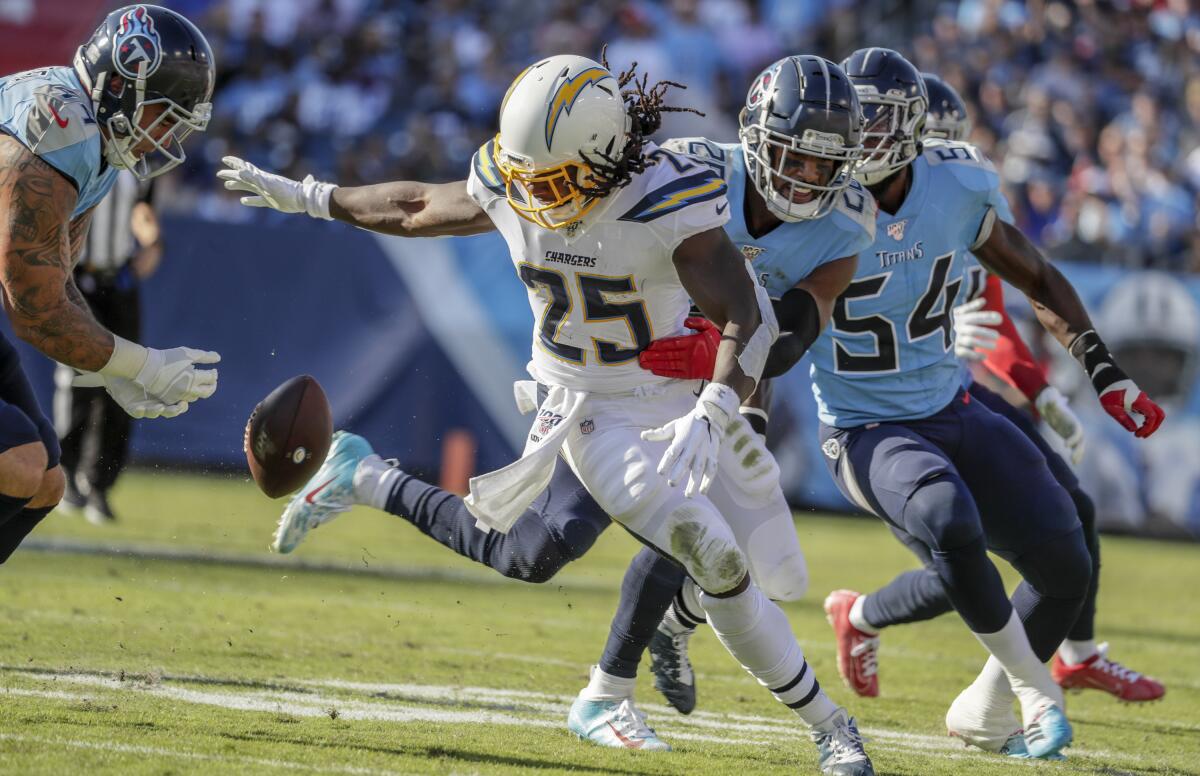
857, 204
57, 118
968, 164
714, 155
483, 164
671, 193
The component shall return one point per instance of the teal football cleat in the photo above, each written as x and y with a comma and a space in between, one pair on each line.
1048, 734
329, 493
617, 724
841, 747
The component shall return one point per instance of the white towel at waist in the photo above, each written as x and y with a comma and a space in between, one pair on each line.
498, 498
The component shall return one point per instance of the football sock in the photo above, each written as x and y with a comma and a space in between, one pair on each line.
10, 506
858, 620
914, 596
650, 584
1013, 659
685, 613
756, 632
14, 531
605, 687
1075, 652
374, 482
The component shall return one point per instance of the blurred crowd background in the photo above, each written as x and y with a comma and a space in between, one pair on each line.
1092, 109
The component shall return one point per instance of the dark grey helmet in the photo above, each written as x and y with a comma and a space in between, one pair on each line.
947, 112
139, 57
800, 105
894, 104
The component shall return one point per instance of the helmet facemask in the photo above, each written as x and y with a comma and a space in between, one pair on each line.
946, 127
767, 155
891, 138
552, 198
125, 133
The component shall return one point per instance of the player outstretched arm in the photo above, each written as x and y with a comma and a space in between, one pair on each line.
1004, 250
39, 244
402, 208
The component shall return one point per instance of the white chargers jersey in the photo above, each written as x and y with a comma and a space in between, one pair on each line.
601, 296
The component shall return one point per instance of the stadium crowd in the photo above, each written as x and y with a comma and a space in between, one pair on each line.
1092, 109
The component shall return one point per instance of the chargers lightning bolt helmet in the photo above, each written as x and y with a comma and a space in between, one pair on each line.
947, 112
557, 114
800, 105
139, 57
894, 104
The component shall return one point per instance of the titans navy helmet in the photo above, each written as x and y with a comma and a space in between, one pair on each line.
141, 57
894, 103
800, 105
947, 117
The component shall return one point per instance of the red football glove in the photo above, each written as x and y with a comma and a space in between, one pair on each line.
1118, 400
686, 357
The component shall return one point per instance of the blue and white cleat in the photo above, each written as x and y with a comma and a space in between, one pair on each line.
618, 724
841, 747
329, 493
1048, 733
673, 674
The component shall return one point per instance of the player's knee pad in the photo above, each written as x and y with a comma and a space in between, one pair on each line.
941, 513
696, 536
746, 459
777, 563
1058, 568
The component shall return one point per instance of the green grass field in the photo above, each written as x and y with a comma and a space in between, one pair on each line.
378, 651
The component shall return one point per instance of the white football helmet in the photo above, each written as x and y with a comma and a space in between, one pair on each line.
557, 112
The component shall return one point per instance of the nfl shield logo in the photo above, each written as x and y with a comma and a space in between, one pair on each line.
895, 229
587, 426
547, 420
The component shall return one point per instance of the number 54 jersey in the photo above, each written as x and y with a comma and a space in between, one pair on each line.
600, 296
888, 352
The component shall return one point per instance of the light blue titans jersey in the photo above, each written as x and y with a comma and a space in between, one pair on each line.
888, 353
789, 252
50, 114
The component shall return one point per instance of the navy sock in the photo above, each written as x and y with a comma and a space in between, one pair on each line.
914, 596
649, 586
14, 531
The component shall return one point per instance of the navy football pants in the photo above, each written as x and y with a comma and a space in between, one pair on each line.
919, 595
960, 482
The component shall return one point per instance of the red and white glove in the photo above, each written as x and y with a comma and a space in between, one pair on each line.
1119, 396
686, 357
1124, 400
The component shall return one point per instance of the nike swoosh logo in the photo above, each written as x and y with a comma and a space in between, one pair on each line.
321, 487
629, 742
721, 208
61, 121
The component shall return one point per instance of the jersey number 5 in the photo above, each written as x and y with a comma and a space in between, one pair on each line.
595, 291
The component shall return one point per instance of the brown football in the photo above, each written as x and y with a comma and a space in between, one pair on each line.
288, 436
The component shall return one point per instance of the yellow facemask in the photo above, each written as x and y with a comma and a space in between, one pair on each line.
549, 198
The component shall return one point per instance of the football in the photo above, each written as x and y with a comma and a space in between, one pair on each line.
288, 436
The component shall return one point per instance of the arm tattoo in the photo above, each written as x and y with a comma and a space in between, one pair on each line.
37, 250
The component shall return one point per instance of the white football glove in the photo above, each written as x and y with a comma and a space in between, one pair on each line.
172, 377
275, 191
696, 439
1057, 413
973, 332
131, 396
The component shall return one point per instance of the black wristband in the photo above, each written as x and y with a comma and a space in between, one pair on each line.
1090, 351
756, 418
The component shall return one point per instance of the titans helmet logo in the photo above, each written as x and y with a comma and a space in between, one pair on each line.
137, 48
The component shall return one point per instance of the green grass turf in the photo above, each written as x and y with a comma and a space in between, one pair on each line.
123, 664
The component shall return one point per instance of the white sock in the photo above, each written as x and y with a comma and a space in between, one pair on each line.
606, 687
685, 612
374, 480
756, 632
1013, 658
1075, 652
859, 620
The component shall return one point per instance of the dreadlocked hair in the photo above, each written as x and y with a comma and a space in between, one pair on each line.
645, 107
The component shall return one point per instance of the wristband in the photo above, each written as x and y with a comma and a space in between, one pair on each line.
127, 359
1090, 351
316, 196
720, 402
756, 417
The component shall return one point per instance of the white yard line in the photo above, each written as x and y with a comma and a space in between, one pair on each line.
157, 751
509, 707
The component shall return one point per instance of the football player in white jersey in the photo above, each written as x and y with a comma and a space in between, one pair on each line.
614, 239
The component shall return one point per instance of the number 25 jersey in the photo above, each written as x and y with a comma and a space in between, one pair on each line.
601, 296
888, 352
